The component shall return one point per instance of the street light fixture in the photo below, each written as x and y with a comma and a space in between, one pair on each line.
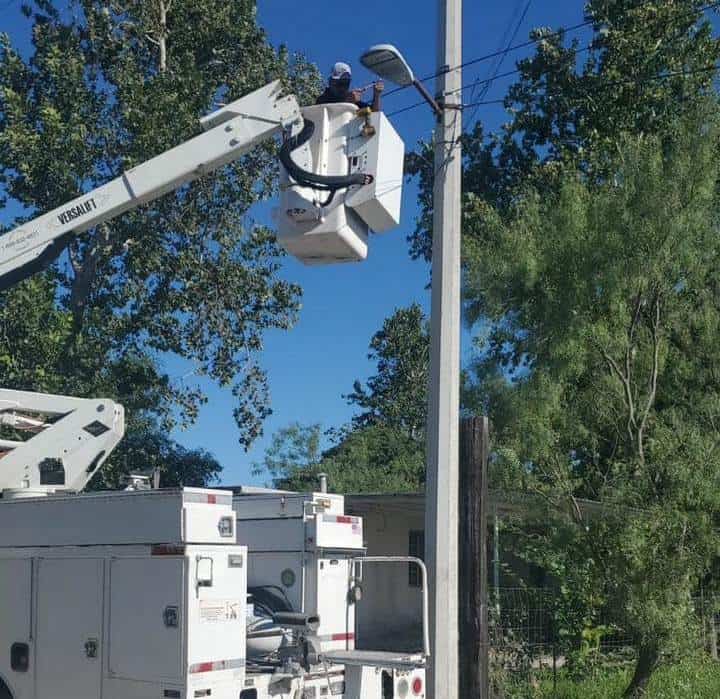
389, 64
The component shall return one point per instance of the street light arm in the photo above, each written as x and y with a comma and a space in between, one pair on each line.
428, 98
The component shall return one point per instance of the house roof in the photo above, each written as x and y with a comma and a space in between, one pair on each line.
503, 502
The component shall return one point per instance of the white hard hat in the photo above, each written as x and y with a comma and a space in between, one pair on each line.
340, 70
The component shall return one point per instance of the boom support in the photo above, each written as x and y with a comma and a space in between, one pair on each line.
70, 438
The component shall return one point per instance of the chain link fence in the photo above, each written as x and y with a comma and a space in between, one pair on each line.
529, 646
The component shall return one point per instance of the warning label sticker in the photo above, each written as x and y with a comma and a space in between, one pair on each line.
216, 610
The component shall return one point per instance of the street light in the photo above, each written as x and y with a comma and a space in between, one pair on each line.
388, 63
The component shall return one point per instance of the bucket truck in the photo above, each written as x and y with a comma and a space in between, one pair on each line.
144, 594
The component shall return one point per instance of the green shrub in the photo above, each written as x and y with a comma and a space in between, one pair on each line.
689, 679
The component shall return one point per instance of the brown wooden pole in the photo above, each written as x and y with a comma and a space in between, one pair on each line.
473, 610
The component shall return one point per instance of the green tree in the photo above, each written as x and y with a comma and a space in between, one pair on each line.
646, 64
383, 448
378, 458
396, 395
109, 85
602, 307
148, 449
293, 457
373, 459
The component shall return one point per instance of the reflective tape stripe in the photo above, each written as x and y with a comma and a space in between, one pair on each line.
337, 637
217, 665
168, 550
208, 498
341, 519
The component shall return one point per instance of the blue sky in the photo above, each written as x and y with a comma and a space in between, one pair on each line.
311, 366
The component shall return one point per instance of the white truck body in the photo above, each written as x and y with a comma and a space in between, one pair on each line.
303, 543
163, 617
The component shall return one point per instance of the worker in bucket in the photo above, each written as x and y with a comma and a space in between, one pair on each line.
338, 89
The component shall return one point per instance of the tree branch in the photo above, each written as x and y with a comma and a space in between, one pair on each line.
75, 261
653, 379
627, 389
86, 270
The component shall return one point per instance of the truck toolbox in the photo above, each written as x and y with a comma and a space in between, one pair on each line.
125, 621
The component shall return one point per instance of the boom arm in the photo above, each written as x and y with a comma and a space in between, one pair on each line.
72, 437
230, 133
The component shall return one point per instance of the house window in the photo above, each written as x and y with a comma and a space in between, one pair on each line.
416, 548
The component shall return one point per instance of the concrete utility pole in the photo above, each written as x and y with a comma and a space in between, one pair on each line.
441, 514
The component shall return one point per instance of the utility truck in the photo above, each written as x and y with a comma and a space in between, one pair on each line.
193, 592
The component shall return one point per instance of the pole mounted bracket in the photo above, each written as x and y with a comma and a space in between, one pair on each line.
445, 105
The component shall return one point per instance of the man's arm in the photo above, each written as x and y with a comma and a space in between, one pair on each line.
378, 88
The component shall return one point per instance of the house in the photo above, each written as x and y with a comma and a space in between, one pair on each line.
394, 525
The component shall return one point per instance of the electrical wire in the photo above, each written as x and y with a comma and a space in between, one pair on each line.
495, 54
577, 52
420, 104
637, 81
517, 71
531, 42
610, 83
495, 69
505, 41
601, 85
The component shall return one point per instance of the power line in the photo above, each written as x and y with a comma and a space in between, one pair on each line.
505, 41
517, 71
531, 42
420, 104
509, 73
631, 81
606, 84
498, 64
501, 52
599, 84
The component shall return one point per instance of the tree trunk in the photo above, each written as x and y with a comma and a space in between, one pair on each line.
647, 661
713, 637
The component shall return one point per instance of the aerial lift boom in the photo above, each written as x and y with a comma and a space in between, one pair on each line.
230, 133
71, 437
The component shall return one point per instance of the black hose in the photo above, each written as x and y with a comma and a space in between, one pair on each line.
311, 179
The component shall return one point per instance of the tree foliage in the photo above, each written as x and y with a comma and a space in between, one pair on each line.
379, 458
383, 448
146, 449
397, 394
646, 64
373, 459
108, 85
293, 457
598, 368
